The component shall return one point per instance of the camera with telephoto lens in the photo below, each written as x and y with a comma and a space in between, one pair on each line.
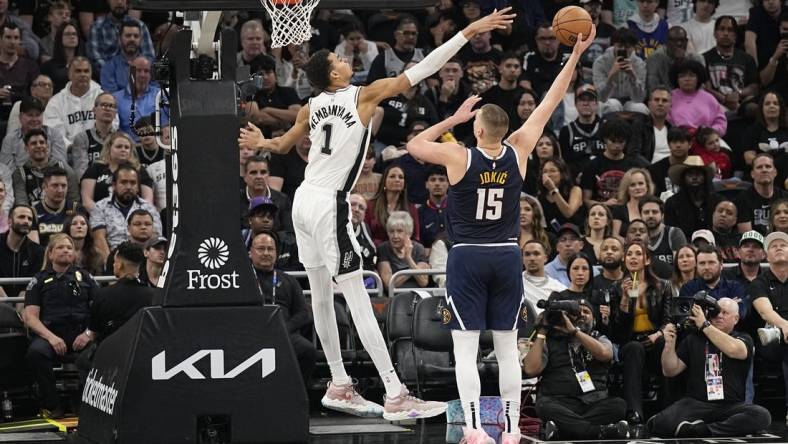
770, 334
681, 309
553, 311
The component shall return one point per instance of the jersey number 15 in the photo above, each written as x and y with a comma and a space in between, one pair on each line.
489, 205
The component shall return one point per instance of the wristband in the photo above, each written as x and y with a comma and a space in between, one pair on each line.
541, 336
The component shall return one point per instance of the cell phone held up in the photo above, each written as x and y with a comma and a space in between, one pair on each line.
621, 55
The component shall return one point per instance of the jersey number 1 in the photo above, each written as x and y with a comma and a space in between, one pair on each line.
489, 205
326, 140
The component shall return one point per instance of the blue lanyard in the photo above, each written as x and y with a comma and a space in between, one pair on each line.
273, 288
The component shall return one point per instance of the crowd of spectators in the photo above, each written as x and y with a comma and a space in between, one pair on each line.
665, 161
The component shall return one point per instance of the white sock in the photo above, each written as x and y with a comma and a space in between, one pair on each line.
509, 377
466, 350
326, 322
357, 300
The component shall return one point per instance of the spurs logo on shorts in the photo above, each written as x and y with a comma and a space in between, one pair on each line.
347, 259
445, 315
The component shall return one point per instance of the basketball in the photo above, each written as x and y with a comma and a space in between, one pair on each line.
570, 21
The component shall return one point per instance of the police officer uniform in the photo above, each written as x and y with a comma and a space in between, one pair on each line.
64, 299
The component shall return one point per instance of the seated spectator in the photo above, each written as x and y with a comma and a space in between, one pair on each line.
115, 72
41, 89
679, 143
755, 203
87, 253
273, 105
415, 169
660, 61
751, 255
546, 148
567, 245
287, 170
703, 238
700, 28
98, 179
283, 290
368, 180
290, 69
401, 111
769, 134
507, 91
611, 257
68, 45
604, 30
391, 62
778, 221
256, 185
561, 199
358, 207
392, 196
581, 140
541, 67
566, 111
399, 253
662, 240
598, 227
262, 217
723, 227
19, 255
642, 311
144, 103
28, 179
717, 360
581, 279
28, 42
108, 217
71, 109
104, 39
432, 217
709, 279
141, 229
649, 143
707, 147
532, 224
635, 185
685, 267
442, 25
693, 106
601, 179
571, 410
525, 105
18, 72
254, 40
13, 153
449, 94
762, 37
153, 265
537, 285
59, 12
620, 75
650, 29
773, 72
733, 78
358, 51
57, 304
87, 146
691, 207
54, 207
3, 205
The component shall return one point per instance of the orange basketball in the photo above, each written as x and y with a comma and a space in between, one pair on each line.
570, 21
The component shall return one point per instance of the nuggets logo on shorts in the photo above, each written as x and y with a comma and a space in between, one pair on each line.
524, 313
445, 316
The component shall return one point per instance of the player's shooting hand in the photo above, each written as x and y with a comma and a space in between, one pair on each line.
496, 20
251, 137
583, 42
466, 112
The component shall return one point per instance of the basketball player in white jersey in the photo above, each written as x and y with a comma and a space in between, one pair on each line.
484, 289
337, 123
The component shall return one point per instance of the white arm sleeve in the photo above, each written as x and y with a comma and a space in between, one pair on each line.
436, 59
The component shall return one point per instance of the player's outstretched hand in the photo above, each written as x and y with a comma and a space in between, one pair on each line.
251, 137
465, 112
496, 20
583, 42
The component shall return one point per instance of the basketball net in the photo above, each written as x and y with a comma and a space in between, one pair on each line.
290, 21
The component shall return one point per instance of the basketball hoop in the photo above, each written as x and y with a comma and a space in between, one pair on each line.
290, 21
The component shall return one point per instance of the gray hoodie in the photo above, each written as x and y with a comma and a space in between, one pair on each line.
622, 84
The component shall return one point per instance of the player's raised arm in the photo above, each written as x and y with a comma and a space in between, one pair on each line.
524, 138
252, 138
383, 88
424, 147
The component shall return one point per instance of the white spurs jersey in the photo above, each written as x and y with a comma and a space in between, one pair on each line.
339, 140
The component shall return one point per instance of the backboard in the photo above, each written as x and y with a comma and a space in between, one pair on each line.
222, 5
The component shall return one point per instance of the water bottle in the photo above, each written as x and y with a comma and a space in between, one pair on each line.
8, 408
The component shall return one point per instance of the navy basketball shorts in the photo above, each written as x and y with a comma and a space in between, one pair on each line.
484, 287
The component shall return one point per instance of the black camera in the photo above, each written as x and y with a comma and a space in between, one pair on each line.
553, 311
161, 71
681, 309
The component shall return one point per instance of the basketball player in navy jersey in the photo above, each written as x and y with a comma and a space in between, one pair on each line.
484, 282
337, 123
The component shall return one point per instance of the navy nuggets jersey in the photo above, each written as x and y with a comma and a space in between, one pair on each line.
484, 207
